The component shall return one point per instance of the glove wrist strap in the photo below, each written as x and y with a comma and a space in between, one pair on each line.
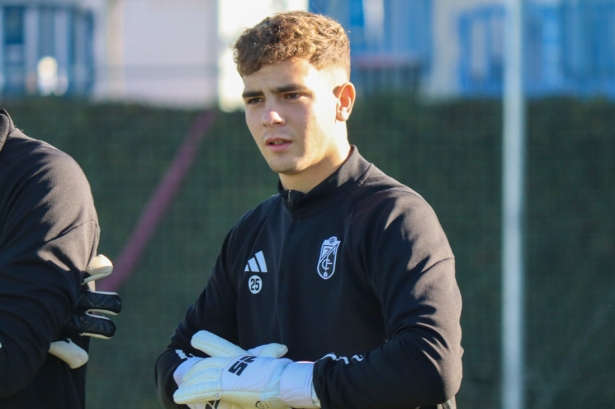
296, 388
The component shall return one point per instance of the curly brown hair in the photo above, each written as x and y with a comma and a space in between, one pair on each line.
294, 34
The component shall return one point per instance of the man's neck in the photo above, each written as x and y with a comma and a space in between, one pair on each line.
310, 178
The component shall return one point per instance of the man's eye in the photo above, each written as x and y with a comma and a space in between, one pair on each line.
293, 95
253, 101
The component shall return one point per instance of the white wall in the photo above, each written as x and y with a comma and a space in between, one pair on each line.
168, 52
177, 52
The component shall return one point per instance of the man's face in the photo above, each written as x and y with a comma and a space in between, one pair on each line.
292, 111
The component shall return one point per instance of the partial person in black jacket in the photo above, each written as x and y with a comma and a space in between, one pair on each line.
49, 235
346, 271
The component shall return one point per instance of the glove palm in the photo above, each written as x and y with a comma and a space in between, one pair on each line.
81, 321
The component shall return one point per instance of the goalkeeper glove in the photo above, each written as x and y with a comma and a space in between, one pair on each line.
81, 321
249, 381
220, 347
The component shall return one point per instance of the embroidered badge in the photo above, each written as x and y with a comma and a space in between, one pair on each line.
328, 255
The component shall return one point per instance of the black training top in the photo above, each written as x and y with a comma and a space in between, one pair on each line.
48, 234
356, 275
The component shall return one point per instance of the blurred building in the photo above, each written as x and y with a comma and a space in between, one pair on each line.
445, 48
569, 48
47, 47
392, 41
161, 52
176, 52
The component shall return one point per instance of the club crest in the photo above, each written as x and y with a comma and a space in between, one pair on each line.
328, 255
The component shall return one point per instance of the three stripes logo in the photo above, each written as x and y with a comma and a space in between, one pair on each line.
256, 264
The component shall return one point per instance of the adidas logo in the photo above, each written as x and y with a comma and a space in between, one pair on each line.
257, 264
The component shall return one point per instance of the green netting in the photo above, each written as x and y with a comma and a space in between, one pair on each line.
449, 152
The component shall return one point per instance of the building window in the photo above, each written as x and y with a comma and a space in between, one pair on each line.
46, 50
13, 50
569, 48
391, 41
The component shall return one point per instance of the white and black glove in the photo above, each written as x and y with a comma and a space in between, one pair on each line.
83, 320
246, 380
222, 348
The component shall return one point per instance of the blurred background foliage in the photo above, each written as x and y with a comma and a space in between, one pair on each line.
450, 152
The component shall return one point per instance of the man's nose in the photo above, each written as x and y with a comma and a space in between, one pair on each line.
271, 117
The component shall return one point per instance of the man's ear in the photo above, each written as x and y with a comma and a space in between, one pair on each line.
346, 95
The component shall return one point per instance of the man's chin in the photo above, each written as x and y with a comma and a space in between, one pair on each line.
284, 168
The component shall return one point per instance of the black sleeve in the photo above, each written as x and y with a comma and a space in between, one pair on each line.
405, 255
48, 233
220, 296
166, 364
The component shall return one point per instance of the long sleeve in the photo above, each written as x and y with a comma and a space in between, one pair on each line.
404, 254
48, 233
220, 297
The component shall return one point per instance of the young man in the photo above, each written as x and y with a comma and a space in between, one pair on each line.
346, 267
48, 238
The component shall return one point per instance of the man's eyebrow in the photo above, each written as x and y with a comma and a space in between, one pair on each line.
277, 90
289, 88
251, 94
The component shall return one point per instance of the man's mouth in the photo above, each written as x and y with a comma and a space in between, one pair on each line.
276, 142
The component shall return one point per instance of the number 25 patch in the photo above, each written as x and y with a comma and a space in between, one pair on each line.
255, 284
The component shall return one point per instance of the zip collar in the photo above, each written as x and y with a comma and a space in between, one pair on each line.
330, 191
